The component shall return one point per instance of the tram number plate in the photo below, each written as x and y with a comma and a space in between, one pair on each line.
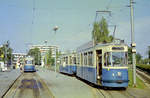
119, 81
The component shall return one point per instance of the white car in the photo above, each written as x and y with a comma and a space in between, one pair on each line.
2, 66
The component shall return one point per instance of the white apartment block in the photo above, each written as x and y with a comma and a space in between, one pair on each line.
44, 49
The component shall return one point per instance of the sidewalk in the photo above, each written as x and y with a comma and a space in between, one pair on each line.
63, 86
7, 78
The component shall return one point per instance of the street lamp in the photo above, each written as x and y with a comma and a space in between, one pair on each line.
55, 29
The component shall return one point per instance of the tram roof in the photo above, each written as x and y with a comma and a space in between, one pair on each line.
89, 45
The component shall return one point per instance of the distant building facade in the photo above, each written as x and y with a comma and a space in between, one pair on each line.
44, 49
17, 59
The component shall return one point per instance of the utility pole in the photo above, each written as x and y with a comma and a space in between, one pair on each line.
45, 53
39, 58
55, 29
133, 44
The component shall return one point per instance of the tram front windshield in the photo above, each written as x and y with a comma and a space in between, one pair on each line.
29, 62
116, 58
119, 59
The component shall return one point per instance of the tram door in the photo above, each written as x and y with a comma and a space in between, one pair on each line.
99, 63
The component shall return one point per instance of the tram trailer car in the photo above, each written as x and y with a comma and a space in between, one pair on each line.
68, 64
29, 64
104, 64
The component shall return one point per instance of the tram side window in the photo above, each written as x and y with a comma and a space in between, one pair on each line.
81, 58
90, 60
126, 56
78, 59
66, 60
70, 59
107, 60
85, 58
74, 60
60, 60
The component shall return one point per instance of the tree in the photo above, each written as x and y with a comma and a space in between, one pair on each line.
145, 61
1, 54
130, 55
50, 59
100, 32
58, 54
36, 54
6, 53
138, 58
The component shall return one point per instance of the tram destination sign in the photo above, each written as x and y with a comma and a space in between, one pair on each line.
117, 48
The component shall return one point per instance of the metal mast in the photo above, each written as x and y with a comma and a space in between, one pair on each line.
133, 44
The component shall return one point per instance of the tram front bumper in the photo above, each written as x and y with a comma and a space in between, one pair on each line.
115, 77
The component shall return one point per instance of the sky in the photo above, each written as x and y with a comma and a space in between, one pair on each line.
75, 21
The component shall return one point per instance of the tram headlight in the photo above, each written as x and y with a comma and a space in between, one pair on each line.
113, 74
119, 74
98, 77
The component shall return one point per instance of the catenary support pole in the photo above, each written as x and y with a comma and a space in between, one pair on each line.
133, 44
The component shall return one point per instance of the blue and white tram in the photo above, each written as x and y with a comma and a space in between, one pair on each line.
104, 64
68, 63
29, 64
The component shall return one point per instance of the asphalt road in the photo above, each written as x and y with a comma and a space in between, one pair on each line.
6, 80
29, 85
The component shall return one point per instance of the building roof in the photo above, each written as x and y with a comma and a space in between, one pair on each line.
44, 46
19, 53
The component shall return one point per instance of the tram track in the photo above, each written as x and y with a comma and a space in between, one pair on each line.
127, 94
117, 93
101, 93
144, 76
28, 85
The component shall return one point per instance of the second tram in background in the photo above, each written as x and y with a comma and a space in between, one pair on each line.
29, 64
102, 64
68, 63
